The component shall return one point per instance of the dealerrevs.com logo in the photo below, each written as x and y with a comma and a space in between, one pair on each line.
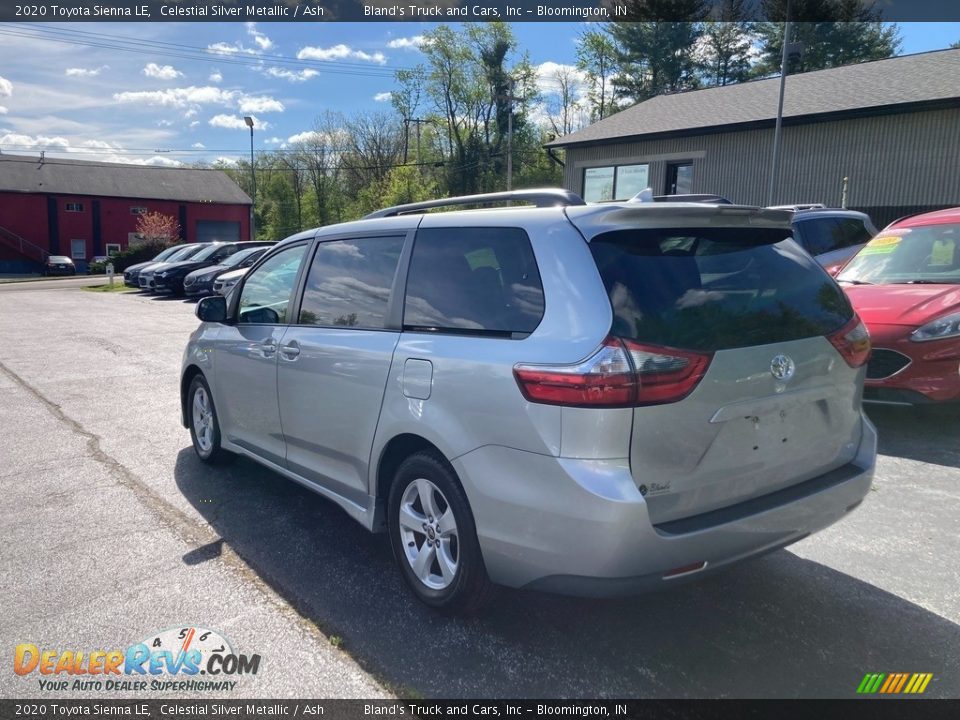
178, 659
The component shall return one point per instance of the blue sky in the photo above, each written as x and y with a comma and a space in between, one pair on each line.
187, 86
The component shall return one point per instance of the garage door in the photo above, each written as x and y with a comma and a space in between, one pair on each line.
217, 231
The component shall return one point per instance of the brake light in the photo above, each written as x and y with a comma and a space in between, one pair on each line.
852, 341
621, 373
665, 375
603, 380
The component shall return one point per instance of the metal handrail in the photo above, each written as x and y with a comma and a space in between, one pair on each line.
544, 197
12, 237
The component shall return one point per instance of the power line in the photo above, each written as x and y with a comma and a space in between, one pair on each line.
335, 67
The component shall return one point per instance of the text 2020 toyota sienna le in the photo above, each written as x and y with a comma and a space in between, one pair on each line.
584, 399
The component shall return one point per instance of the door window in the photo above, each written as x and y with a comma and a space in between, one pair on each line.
265, 297
679, 178
349, 283
78, 249
480, 280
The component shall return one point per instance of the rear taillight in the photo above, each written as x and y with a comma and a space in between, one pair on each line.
621, 373
852, 341
665, 375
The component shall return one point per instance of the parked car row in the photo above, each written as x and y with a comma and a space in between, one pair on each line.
193, 269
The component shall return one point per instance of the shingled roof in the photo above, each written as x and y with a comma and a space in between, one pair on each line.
866, 88
66, 176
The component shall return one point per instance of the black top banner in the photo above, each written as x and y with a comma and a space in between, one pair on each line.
470, 11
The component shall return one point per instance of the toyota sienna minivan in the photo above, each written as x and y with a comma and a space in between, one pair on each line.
590, 399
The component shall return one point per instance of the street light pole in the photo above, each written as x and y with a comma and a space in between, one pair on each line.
253, 174
775, 164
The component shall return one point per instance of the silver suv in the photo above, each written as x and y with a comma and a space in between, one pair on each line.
584, 399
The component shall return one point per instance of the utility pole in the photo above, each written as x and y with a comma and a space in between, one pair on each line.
509, 97
775, 165
253, 174
418, 122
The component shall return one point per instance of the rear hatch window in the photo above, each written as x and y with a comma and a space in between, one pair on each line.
710, 289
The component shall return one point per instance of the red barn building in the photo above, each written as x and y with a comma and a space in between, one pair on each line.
82, 209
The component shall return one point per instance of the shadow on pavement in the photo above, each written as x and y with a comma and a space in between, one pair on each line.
926, 434
779, 626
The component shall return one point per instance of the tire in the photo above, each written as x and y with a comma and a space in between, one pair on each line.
452, 578
207, 443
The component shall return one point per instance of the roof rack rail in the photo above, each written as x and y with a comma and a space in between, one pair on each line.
802, 206
707, 199
544, 197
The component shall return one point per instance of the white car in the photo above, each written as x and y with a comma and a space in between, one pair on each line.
224, 283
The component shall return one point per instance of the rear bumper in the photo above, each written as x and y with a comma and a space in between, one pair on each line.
581, 527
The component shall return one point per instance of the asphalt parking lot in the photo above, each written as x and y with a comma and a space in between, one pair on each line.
113, 529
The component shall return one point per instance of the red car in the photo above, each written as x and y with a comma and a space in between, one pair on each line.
905, 285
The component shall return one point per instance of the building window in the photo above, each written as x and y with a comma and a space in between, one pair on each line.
680, 178
112, 249
74, 207
138, 211
78, 249
614, 182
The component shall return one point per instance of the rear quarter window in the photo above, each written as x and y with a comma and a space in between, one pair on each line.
710, 289
473, 280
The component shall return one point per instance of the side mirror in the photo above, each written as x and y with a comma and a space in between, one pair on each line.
212, 309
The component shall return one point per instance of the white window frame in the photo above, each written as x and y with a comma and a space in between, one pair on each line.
73, 253
73, 207
138, 210
112, 246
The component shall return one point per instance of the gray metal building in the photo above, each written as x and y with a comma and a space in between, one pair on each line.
892, 127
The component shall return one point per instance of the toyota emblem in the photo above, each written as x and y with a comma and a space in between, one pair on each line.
782, 367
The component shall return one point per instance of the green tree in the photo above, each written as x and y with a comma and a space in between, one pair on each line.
657, 57
829, 33
726, 44
598, 59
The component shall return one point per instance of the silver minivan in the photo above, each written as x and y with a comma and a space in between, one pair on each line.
589, 399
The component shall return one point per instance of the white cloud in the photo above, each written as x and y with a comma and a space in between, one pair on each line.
224, 160
190, 113
340, 52
3, 110
194, 123
307, 136
178, 97
6, 87
383, 97
262, 41
161, 72
408, 43
164, 123
85, 72
199, 146
235, 122
273, 140
548, 72
216, 76
260, 104
223, 48
291, 75
28, 142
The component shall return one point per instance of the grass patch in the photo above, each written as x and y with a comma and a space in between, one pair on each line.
336, 641
118, 287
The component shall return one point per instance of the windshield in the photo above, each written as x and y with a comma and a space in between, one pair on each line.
184, 253
239, 257
926, 254
207, 251
168, 252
